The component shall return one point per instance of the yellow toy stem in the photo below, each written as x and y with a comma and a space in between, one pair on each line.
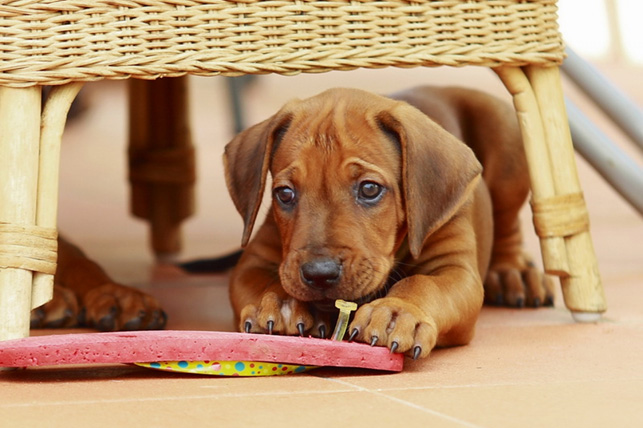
345, 309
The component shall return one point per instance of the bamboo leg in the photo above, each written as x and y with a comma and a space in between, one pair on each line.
582, 288
162, 171
560, 215
19, 141
540, 169
54, 118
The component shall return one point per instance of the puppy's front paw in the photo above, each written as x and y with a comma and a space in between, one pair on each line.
397, 324
116, 307
518, 283
281, 315
60, 312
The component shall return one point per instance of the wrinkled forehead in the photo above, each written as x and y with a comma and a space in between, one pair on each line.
325, 128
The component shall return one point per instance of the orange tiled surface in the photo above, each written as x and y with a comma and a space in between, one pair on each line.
525, 368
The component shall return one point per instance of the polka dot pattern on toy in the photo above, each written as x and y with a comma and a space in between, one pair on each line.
227, 368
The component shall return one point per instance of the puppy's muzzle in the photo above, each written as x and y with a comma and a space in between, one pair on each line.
321, 273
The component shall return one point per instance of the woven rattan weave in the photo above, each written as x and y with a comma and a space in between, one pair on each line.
56, 41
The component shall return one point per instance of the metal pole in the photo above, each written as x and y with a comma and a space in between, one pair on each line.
606, 157
611, 100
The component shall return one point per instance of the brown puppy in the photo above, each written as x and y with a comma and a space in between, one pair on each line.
378, 200
85, 295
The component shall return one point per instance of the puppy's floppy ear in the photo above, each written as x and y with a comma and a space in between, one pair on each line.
246, 162
438, 170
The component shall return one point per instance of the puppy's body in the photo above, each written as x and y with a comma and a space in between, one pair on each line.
375, 202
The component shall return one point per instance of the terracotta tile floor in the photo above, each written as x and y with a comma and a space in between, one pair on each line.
529, 368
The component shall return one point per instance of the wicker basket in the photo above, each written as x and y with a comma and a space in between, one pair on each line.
51, 42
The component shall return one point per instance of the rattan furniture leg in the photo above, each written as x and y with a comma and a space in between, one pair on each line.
19, 141
560, 214
582, 288
161, 159
29, 160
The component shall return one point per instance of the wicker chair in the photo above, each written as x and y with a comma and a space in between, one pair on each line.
65, 43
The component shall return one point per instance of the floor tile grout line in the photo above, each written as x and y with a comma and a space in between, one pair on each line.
168, 398
408, 404
505, 384
382, 392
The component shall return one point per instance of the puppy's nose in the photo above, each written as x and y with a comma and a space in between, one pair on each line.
321, 273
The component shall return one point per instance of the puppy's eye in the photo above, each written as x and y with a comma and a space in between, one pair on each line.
285, 195
369, 191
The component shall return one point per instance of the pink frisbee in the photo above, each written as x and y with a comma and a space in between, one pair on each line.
211, 351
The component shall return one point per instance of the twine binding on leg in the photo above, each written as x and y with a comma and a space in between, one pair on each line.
28, 247
560, 216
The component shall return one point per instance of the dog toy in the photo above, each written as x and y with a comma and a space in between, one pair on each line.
251, 368
345, 309
215, 353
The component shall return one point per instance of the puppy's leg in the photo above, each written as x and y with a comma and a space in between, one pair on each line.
493, 133
437, 305
513, 279
260, 303
421, 312
103, 303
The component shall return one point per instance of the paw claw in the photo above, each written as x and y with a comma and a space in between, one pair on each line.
107, 323
82, 316
374, 340
135, 324
37, 315
394, 347
247, 327
416, 352
159, 320
322, 331
353, 335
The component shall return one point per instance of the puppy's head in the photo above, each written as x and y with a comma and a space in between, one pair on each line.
353, 174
